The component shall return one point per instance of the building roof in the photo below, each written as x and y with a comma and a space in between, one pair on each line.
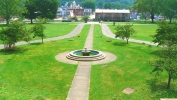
111, 11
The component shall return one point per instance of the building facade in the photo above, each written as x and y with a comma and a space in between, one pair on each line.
112, 15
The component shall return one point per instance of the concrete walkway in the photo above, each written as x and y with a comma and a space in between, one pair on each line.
107, 32
80, 86
74, 32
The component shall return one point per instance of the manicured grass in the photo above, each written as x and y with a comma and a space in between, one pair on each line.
130, 70
144, 31
56, 29
53, 29
32, 70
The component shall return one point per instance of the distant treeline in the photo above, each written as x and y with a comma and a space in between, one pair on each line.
113, 4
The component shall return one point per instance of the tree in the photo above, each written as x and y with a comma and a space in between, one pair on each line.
144, 16
47, 8
100, 4
147, 6
41, 8
85, 18
124, 31
11, 8
89, 4
168, 8
15, 32
31, 10
167, 62
38, 29
108, 5
115, 5
166, 34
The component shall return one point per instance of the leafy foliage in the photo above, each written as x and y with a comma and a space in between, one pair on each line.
166, 34
89, 4
85, 18
124, 4
167, 62
38, 29
15, 32
147, 6
168, 8
124, 31
108, 5
11, 8
41, 8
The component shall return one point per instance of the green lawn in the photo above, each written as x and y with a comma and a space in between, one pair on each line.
130, 70
144, 31
32, 70
53, 29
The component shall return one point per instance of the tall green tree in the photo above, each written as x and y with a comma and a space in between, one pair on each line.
100, 3
168, 8
89, 4
41, 8
108, 5
47, 8
124, 31
167, 62
11, 8
148, 6
16, 31
166, 34
115, 5
31, 10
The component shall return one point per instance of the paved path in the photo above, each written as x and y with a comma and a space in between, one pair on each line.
80, 86
107, 32
74, 32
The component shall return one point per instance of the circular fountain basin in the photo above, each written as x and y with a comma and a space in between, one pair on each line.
94, 55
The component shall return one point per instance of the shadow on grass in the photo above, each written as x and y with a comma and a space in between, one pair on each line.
13, 51
3, 25
119, 43
159, 89
38, 43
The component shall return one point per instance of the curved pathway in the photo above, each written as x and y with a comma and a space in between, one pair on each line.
74, 32
107, 32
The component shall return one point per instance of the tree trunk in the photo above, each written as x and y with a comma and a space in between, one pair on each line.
152, 18
42, 39
169, 80
7, 14
170, 20
31, 21
127, 41
7, 21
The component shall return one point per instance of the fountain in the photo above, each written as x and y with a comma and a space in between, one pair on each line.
86, 55
86, 52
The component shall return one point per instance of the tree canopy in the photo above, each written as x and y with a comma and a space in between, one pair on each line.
168, 8
41, 8
166, 34
124, 31
16, 31
167, 62
89, 4
124, 4
11, 8
148, 6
